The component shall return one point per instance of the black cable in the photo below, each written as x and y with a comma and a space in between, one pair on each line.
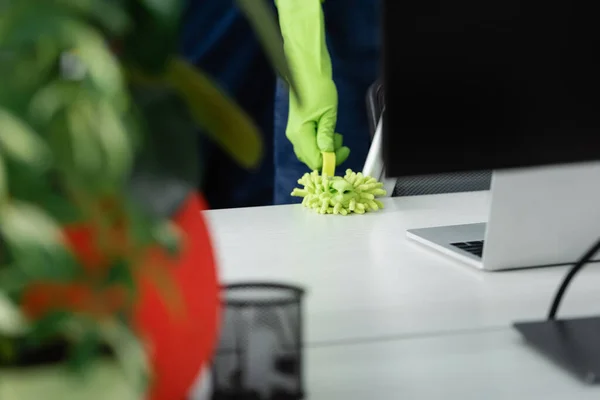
572, 272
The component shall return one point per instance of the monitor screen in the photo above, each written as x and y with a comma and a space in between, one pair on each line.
487, 84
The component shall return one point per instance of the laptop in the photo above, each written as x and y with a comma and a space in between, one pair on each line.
538, 216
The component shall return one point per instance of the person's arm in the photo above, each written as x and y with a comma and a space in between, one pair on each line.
303, 28
311, 126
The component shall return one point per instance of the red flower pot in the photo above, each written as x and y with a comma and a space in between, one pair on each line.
179, 343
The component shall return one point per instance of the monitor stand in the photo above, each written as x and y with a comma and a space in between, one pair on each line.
572, 343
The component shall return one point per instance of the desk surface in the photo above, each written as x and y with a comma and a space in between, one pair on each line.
366, 280
387, 318
494, 365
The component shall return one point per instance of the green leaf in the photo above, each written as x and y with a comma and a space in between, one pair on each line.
84, 350
121, 273
43, 190
88, 134
3, 182
83, 149
25, 224
225, 122
47, 327
115, 141
24, 70
19, 142
109, 14
12, 280
29, 24
58, 207
129, 351
52, 98
165, 11
112, 140
264, 22
12, 322
101, 65
35, 241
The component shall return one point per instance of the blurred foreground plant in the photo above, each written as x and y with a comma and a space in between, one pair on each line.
92, 92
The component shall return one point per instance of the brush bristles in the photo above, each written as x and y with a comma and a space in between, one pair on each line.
353, 193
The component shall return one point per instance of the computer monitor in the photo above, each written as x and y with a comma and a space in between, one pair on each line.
497, 85
479, 85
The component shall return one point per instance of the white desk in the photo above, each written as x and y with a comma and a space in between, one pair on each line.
484, 366
388, 319
366, 280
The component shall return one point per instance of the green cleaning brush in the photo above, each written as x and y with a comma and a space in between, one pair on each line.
354, 193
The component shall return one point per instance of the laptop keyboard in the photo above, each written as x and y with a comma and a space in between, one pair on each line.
475, 247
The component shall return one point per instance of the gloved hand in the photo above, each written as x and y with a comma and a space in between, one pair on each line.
311, 125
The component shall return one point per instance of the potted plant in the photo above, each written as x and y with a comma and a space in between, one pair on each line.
98, 210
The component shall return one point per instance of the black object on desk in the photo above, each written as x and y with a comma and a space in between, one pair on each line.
573, 343
260, 351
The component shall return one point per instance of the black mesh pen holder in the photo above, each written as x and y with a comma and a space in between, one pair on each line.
260, 352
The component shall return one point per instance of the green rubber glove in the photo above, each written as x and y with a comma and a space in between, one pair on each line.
311, 126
